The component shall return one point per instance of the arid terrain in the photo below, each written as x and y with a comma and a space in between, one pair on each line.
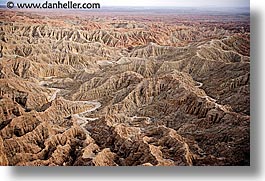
124, 89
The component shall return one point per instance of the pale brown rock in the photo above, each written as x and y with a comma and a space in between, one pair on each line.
107, 89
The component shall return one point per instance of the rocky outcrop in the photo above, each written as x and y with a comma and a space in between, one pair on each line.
124, 90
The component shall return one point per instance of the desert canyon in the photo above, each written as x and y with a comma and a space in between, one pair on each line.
124, 89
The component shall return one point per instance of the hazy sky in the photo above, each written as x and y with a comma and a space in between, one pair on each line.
177, 3
171, 3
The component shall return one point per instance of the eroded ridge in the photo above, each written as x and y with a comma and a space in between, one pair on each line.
124, 90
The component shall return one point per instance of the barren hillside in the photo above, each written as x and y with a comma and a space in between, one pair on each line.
119, 90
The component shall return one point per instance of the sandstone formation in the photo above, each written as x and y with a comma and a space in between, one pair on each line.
115, 90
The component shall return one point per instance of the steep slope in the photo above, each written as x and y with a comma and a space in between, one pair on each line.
107, 89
